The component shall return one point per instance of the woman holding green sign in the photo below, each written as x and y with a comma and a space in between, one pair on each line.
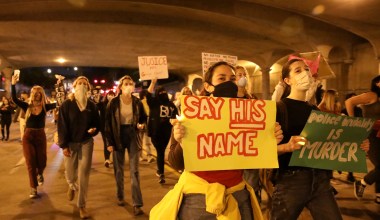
371, 109
299, 187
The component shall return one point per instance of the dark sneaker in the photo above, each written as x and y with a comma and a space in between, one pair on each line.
377, 200
358, 189
137, 211
161, 179
70, 194
33, 193
40, 179
351, 178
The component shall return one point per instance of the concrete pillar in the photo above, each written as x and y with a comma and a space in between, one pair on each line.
7, 74
265, 83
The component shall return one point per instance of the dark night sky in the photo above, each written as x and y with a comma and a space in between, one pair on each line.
40, 76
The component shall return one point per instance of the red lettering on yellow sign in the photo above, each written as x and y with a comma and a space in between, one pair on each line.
223, 144
247, 114
203, 107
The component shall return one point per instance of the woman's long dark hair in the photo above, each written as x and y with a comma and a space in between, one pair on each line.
285, 74
207, 77
374, 87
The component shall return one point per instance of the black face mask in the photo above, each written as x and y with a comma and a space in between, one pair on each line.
227, 89
163, 97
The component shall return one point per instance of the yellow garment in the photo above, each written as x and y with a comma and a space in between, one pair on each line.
145, 105
219, 200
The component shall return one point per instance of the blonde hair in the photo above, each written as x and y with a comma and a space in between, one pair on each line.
186, 88
126, 77
71, 96
34, 90
243, 68
329, 102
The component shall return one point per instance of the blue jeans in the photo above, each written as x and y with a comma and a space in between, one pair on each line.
252, 177
310, 188
128, 138
79, 164
193, 206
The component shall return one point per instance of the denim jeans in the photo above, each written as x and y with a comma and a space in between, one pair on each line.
128, 138
310, 188
79, 164
252, 178
374, 155
193, 206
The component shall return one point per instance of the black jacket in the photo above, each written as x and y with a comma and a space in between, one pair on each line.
112, 126
73, 124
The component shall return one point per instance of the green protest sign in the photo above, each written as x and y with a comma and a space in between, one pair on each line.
333, 143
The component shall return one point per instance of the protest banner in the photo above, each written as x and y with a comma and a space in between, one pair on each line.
333, 143
210, 58
153, 67
228, 133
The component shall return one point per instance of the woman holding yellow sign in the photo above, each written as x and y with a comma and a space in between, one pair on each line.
221, 194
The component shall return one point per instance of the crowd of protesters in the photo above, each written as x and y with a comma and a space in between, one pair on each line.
133, 123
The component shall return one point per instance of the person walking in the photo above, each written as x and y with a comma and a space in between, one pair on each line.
34, 138
124, 117
144, 139
78, 122
102, 105
211, 194
298, 187
6, 110
370, 102
159, 126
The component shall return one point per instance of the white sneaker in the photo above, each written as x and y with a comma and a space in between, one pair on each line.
33, 193
107, 163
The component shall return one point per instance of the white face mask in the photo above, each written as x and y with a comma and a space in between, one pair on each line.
81, 96
303, 80
242, 82
127, 90
82, 88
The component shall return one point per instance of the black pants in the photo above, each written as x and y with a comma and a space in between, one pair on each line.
160, 141
374, 155
5, 124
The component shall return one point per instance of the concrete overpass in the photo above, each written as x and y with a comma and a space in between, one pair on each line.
112, 33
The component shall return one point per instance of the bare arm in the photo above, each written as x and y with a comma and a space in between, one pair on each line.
152, 85
365, 99
295, 143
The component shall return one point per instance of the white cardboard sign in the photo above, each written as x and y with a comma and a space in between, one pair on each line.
210, 58
152, 67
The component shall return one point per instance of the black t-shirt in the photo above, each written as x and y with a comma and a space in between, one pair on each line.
160, 114
297, 112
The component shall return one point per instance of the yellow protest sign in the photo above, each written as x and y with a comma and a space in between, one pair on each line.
228, 133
